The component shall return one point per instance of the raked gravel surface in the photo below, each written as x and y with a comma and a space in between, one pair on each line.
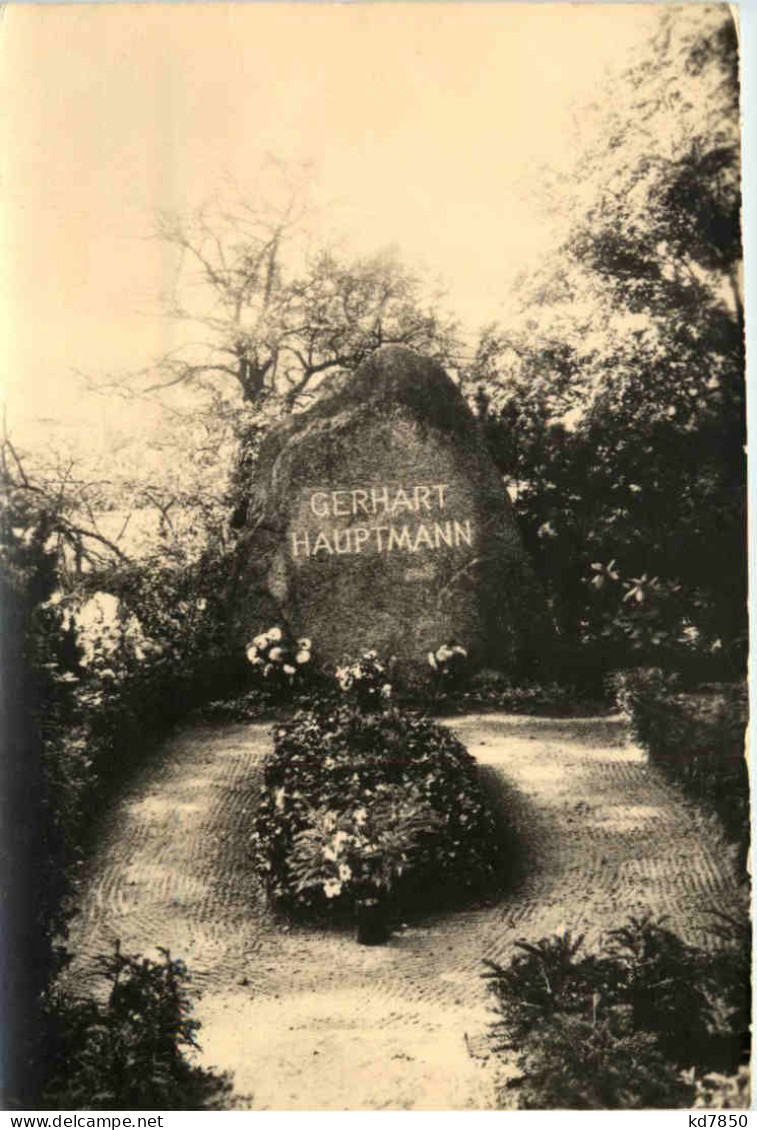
307, 1019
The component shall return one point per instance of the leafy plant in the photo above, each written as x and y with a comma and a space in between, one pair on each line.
450, 668
131, 1049
613, 401
663, 980
362, 852
633, 1025
603, 1064
389, 797
544, 979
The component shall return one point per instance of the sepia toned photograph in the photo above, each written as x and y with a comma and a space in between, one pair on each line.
373, 559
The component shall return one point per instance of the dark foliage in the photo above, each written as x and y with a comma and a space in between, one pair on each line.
617, 1029
358, 802
130, 1050
696, 739
598, 1065
79, 710
621, 423
34, 851
494, 690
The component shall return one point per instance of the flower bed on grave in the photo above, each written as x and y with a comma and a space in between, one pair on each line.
362, 803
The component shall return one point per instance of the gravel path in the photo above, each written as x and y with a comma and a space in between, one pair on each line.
307, 1019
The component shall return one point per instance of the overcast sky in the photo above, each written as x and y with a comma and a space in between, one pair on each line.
425, 125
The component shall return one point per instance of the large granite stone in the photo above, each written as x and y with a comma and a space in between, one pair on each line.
377, 520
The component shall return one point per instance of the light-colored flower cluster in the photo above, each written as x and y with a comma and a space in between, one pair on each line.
361, 849
272, 656
96, 626
365, 676
445, 654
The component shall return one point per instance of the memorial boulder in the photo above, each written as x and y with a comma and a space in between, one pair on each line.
378, 520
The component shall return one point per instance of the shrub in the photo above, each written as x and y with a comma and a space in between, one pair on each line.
729, 987
129, 1051
620, 1027
663, 982
696, 739
494, 690
356, 802
543, 980
582, 1064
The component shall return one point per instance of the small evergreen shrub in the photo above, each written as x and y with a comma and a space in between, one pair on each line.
632, 1026
580, 1064
130, 1050
363, 802
696, 739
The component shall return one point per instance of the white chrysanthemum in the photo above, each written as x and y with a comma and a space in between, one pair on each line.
289, 670
332, 888
345, 872
275, 654
304, 644
252, 653
260, 641
432, 660
274, 634
302, 656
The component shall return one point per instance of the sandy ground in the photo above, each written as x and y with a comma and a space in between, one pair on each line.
308, 1019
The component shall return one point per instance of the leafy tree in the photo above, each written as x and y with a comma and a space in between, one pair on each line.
615, 405
266, 319
270, 316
